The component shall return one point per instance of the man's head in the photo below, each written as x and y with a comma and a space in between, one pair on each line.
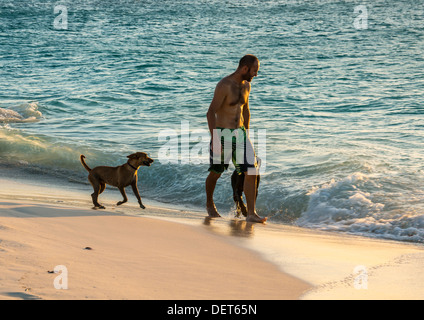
249, 67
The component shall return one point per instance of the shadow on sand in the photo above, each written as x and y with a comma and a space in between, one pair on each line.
19, 210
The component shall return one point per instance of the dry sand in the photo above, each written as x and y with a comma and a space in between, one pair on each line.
130, 257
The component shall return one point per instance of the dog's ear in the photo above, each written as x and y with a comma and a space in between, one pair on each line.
133, 156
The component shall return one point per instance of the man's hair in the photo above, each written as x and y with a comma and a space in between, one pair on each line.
248, 60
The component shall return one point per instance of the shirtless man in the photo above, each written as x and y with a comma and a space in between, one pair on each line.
229, 111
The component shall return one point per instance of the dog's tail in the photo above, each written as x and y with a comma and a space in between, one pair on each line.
82, 157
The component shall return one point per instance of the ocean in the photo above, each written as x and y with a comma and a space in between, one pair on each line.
337, 108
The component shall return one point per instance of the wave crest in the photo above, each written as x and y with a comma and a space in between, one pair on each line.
26, 112
347, 206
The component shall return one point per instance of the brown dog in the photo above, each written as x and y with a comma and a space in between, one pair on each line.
237, 182
120, 177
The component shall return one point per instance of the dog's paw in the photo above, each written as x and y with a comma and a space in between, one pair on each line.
142, 206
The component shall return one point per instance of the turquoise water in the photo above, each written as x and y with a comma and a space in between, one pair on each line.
342, 107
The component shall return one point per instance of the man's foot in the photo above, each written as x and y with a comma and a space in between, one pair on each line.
255, 218
212, 212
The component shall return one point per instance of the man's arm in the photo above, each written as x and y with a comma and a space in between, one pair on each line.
246, 115
216, 104
246, 112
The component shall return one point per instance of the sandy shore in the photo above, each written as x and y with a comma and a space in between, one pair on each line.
130, 258
174, 254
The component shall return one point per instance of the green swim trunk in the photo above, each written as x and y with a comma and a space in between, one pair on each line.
236, 147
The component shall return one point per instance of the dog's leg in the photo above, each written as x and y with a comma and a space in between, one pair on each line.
102, 187
242, 206
95, 194
137, 194
234, 183
258, 179
240, 186
237, 182
124, 195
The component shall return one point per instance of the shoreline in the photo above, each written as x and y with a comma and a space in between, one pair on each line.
306, 264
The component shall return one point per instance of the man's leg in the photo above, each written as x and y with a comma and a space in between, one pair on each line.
250, 168
210, 188
250, 181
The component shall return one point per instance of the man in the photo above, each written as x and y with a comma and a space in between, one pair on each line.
229, 113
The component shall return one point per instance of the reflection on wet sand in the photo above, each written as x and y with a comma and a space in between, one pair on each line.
235, 227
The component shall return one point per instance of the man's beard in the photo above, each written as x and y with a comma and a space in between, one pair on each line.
247, 76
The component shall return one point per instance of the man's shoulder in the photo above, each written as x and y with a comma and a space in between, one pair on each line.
224, 84
228, 83
225, 81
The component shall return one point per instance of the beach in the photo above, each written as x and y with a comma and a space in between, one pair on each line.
110, 255
334, 114
171, 254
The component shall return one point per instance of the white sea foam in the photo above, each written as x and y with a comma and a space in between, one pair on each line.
343, 206
26, 112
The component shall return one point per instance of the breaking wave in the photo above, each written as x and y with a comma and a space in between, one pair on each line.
26, 112
351, 205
